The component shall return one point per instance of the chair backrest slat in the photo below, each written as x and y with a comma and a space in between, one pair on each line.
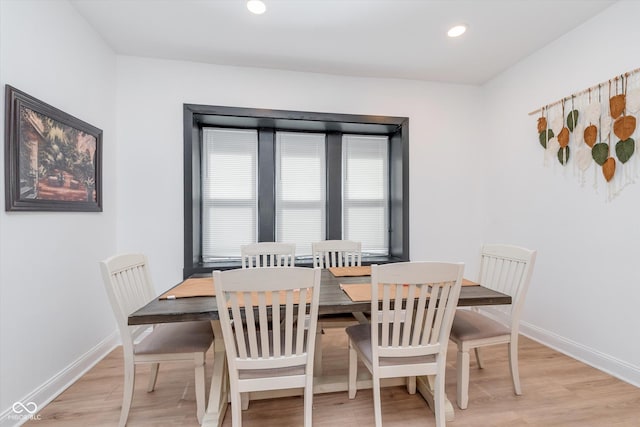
408, 316
251, 327
398, 318
240, 330
416, 335
414, 315
336, 253
263, 322
288, 348
260, 298
275, 312
302, 315
429, 315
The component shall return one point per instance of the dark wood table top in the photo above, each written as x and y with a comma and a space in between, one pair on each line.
332, 300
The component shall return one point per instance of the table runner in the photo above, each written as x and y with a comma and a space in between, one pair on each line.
193, 287
361, 292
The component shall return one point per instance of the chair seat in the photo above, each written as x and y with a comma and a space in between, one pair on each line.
470, 325
360, 336
184, 337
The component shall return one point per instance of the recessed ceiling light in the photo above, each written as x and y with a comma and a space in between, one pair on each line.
457, 31
256, 6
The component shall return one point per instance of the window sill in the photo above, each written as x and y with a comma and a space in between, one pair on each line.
202, 269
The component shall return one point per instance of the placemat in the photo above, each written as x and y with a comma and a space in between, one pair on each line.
194, 287
203, 287
364, 270
361, 292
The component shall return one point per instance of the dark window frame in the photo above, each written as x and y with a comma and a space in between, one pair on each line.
267, 122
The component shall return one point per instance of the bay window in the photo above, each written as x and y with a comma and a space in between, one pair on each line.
296, 177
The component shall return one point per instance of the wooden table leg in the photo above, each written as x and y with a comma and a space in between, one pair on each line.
218, 394
425, 388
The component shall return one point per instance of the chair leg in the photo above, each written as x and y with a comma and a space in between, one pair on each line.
127, 394
244, 399
308, 401
463, 379
513, 363
236, 409
353, 372
438, 399
317, 358
478, 357
377, 406
153, 376
199, 383
411, 385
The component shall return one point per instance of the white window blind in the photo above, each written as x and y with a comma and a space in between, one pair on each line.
300, 189
365, 193
229, 200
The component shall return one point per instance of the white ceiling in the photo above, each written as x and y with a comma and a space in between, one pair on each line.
374, 38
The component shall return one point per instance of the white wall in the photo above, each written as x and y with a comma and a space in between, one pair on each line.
53, 309
586, 285
446, 213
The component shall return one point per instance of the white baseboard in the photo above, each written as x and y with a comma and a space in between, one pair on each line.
60, 382
604, 362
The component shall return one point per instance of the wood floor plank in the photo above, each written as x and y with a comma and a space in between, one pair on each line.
558, 391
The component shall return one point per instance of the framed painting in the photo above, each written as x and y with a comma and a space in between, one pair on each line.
52, 159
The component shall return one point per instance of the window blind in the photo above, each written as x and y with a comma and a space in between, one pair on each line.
229, 195
300, 189
365, 193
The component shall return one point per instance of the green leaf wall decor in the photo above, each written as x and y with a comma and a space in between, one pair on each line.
572, 119
600, 152
625, 149
563, 155
545, 136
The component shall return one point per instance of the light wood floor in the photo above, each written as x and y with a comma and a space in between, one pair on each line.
558, 391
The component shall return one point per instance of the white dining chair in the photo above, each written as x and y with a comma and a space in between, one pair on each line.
506, 269
328, 254
270, 346
268, 254
336, 253
128, 285
412, 307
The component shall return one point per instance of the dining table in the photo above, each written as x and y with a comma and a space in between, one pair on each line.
333, 300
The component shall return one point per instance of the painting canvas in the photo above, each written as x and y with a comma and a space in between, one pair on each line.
52, 159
